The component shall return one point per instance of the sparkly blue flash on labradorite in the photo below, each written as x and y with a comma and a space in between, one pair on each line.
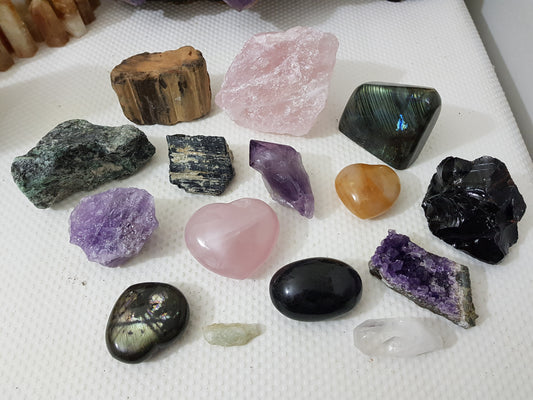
391, 121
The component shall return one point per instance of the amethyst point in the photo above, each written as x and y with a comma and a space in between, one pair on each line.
113, 226
284, 175
433, 282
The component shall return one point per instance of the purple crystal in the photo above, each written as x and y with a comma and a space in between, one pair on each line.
436, 283
284, 175
113, 226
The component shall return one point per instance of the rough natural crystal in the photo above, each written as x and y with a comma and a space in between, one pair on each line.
111, 227
200, 164
231, 334
391, 121
284, 175
433, 282
147, 317
367, 190
397, 337
474, 206
279, 82
77, 156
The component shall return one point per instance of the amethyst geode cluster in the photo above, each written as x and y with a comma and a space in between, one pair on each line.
433, 282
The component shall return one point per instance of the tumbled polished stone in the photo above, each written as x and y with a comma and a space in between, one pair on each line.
279, 81
146, 317
391, 121
230, 334
367, 190
315, 289
284, 175
397, 337
474, 206
433, 282
200, 164
77, 155
232, 239
113, 226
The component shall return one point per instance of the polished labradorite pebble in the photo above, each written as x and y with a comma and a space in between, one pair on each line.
145, 318
391, 121
315, 289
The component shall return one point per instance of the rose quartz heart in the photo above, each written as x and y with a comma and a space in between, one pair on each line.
232, 239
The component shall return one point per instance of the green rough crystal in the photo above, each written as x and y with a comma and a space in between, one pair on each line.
391, 121
231, 334
76, 156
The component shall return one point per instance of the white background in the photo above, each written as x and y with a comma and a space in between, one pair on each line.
56, 303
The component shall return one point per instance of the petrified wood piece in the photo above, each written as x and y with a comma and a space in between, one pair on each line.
163, 88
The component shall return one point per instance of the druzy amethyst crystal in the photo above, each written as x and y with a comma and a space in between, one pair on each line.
433, 282
113, 226
474, 206
284, 175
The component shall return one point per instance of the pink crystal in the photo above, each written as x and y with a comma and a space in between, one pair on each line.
232, 239
279, 81
113, 226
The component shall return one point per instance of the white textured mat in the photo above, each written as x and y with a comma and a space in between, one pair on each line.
55, 303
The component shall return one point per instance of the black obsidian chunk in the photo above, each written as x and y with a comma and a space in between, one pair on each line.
315, 289
391, 121
474, 206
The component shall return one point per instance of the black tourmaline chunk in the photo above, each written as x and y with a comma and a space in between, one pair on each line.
474, 206
200, 164
76, 156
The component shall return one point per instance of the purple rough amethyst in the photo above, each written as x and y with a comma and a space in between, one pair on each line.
284, 175
436, 283
113, 226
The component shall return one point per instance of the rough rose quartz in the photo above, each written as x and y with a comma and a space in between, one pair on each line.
279, 82
232, 239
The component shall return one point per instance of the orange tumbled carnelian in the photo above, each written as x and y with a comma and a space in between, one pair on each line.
367, 190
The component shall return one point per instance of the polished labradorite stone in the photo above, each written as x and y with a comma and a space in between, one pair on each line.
145, 318
391, 121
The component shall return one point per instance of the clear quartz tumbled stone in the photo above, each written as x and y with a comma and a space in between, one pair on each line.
397, 337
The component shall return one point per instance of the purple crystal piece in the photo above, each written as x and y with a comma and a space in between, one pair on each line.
433, 282
284, 175
113, 226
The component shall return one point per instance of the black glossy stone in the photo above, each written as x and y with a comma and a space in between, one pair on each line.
391, 121
146, 317
315, 289
474, 206
78, 156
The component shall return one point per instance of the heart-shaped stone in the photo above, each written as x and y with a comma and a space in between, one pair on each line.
367, 190
232, 239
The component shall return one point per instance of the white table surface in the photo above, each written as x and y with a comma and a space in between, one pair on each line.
56, 303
